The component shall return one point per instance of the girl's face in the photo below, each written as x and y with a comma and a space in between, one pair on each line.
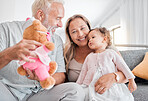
78, 30
96, 40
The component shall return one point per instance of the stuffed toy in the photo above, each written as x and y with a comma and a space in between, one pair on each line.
43, 66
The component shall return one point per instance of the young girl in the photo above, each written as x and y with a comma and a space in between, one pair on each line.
101, 62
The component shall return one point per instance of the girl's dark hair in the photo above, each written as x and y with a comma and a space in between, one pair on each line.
104, 32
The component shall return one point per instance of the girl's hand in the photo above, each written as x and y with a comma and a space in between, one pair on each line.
132, 85
104, 83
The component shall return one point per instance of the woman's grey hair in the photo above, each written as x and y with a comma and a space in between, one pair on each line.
43, 5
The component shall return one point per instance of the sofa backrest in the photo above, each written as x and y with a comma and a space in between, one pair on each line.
133, 57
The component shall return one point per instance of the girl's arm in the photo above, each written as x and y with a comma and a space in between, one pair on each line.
122, 77
132, 85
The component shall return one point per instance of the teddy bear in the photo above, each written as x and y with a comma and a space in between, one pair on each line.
43, 66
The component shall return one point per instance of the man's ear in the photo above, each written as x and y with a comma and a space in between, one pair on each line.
40, 15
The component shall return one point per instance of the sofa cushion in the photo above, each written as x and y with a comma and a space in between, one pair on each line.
133, 58
141, 70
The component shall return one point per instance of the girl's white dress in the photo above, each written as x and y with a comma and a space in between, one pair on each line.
98, 64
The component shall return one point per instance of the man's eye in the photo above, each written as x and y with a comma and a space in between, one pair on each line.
58, 18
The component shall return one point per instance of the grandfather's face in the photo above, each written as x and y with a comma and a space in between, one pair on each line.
54, 16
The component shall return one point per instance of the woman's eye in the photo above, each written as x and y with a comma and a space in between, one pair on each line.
93, 37
73, 31
82, 28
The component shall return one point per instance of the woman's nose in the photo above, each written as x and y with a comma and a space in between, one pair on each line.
80, 33
89, 40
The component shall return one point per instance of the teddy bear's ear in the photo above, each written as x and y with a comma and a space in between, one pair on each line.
38, 26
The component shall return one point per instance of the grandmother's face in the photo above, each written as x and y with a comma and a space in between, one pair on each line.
78, 30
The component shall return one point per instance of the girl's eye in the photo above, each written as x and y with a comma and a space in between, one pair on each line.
93, 37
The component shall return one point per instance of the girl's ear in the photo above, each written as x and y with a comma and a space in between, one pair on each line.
105, 39
40, 15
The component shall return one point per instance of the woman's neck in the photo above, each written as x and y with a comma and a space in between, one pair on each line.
84, 49
81, 53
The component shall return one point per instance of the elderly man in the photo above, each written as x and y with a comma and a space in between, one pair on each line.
14, 87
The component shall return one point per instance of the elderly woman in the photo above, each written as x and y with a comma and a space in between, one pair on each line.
76, 50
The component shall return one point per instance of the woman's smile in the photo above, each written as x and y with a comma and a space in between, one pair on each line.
82, 39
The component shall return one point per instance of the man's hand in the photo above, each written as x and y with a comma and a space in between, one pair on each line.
59, 77
104, 83
21, 50
31, 75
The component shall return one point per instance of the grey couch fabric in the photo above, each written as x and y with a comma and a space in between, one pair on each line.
133, 58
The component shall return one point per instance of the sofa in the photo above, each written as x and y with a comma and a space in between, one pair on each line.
132, 59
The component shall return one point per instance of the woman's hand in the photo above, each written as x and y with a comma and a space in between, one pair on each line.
104, 83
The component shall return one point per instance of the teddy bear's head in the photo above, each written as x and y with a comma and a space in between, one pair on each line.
36, 31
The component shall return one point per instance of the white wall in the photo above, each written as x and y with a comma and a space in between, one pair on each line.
7, 12
111, 15
113, 20
91, 9
94, 10
15, 10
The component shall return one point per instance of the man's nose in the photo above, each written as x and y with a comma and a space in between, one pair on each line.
60, 24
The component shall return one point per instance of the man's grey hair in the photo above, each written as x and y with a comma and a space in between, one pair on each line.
43, 5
